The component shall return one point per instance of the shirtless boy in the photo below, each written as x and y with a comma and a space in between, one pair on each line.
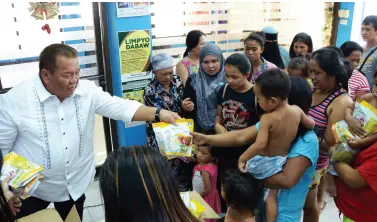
277, 132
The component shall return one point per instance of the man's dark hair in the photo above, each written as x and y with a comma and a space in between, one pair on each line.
48, 57
239, 61
371, 19
274, 83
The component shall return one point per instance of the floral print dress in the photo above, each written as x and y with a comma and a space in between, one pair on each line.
156, 96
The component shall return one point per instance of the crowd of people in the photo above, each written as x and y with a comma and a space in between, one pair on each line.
263, 128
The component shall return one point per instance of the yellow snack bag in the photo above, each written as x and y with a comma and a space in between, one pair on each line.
365, 113
24, 171
174, 140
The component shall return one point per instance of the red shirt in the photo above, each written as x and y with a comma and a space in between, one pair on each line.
360, 204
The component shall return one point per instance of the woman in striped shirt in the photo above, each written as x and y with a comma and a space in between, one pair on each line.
330, 99
357, 84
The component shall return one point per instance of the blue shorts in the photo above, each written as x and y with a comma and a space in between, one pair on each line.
262, 167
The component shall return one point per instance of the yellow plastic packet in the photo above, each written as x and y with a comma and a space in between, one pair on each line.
174, 140
194, 206
365, 113
26, 176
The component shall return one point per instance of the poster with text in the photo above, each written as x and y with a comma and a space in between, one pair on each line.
134, 90
130, 9
134, 54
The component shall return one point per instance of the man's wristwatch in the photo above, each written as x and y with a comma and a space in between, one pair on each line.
157, 115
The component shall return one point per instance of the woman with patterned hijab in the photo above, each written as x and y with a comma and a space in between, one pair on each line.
202, 88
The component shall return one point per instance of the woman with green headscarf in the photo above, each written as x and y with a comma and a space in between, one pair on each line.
202, 89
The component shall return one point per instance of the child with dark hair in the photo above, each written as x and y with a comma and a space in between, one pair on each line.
300, 67
268, 154
204, 178
242, 193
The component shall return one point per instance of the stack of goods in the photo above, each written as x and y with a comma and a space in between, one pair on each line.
26, 176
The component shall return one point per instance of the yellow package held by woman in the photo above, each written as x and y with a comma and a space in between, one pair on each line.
363, 112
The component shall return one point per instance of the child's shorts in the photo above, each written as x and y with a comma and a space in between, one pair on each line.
262, 167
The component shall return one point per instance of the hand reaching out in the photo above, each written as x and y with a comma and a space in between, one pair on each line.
168, 116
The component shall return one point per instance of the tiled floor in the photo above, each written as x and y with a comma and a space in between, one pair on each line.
94, 210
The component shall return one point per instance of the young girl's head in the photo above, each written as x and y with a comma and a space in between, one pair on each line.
237, 70
298, 67
241, 190
204, 154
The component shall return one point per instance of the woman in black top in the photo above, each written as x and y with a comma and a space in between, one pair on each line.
236, 107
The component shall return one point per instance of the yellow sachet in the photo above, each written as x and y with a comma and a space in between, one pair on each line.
365, 113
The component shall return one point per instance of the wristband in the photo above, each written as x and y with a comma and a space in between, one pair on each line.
157, 115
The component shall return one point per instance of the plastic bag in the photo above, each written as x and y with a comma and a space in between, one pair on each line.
343, 153
174, 140
26, 176
366, 114
195, 208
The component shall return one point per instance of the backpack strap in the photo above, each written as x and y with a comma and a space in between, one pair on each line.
365, 60
226, 85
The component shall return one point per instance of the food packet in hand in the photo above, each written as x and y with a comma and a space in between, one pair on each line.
343, 153
26, 176
363, 112
174, 140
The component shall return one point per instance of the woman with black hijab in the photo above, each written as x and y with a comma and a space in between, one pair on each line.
272, 51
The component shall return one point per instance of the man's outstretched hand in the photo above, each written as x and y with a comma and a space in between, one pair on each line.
168, 116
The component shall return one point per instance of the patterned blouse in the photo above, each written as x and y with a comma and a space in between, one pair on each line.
266, 65
191, 67
156, 96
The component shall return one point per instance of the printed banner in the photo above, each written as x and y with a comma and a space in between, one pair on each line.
130, 9
134, 54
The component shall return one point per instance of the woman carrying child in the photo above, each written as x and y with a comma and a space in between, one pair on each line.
269, 152
330, 80
297, 173
356, 184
